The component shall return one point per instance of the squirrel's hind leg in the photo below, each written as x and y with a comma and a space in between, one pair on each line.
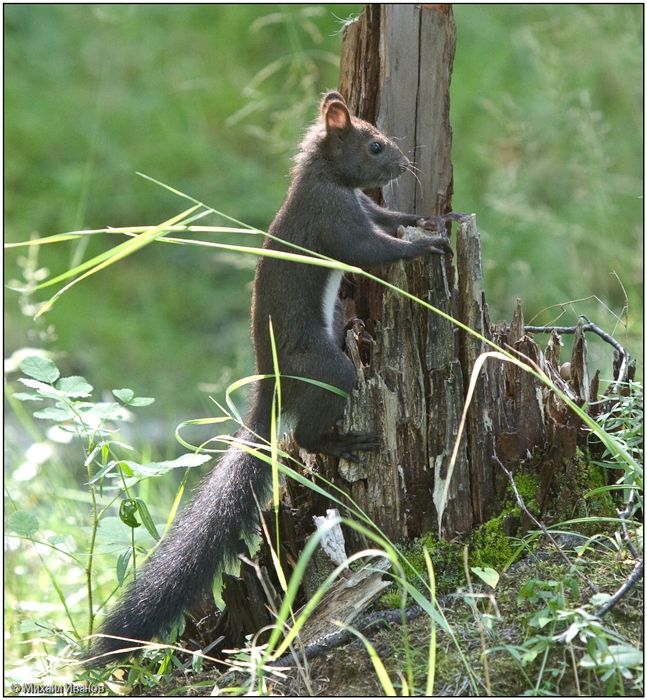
319, 412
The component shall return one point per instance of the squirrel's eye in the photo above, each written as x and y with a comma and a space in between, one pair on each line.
376, 147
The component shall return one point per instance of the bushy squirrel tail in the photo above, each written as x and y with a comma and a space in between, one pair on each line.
203, 541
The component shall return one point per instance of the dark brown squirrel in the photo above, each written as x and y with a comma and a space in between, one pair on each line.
325, 212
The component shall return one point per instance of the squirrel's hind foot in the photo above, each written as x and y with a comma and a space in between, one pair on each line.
345, 445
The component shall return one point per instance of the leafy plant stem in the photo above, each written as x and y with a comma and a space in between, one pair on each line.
93, 536
59, 592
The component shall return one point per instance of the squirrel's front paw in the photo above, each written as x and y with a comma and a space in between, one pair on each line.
433, 223
437, 223
441, 245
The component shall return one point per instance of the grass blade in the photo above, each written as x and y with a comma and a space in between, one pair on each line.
113, 255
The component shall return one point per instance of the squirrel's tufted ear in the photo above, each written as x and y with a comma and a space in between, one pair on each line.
330, 96
336, 116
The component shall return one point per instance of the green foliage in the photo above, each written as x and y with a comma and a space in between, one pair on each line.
70, 533
490, 546
554, 623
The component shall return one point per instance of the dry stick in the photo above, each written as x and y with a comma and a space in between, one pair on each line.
638, 569
622, 370
634, 577
540, 525
623, 515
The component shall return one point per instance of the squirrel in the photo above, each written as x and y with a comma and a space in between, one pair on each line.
326, 212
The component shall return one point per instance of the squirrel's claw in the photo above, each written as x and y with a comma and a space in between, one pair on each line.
437, 223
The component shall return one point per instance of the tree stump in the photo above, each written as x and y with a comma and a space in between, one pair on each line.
395, 71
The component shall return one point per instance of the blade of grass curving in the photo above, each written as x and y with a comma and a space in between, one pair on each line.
274, 439
610, 487
131, 245
607, 440
105, 259
431, 663
199, 421
195, 201
378, 664
322, 385
599, 519
235, 413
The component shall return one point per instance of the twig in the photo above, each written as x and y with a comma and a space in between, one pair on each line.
540, 525
591, 327
623, 515
373, 621
634, 577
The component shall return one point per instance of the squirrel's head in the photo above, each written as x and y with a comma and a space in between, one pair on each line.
361, 155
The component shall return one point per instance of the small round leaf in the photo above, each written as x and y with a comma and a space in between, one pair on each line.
40, 368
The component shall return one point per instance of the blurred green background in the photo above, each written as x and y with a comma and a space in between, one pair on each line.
213, 99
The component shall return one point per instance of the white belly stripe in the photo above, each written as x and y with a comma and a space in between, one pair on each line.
329, 299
